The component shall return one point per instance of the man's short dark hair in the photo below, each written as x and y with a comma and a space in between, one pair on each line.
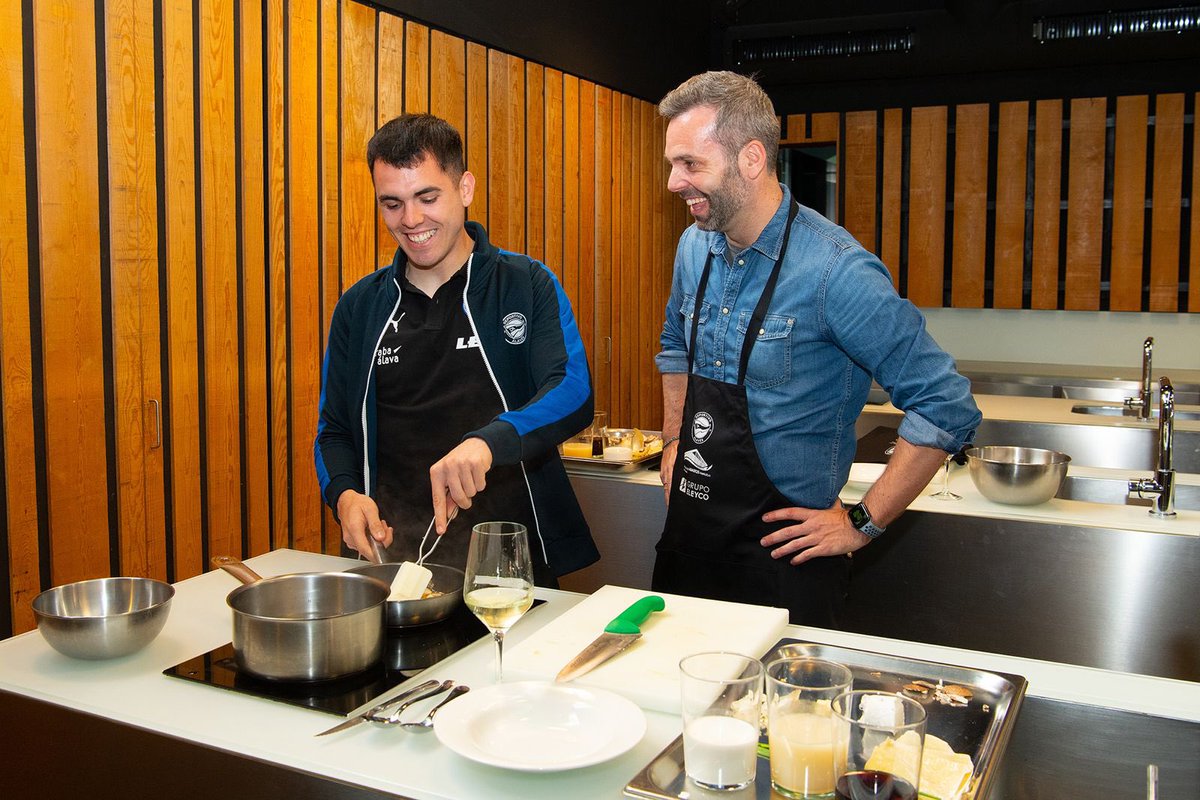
406, 140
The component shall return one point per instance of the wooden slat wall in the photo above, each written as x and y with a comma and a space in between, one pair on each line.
231, 207
1028, 223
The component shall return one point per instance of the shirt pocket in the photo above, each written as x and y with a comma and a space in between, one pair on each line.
687, 309
771, 358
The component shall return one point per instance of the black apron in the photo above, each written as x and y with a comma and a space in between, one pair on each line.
710, 544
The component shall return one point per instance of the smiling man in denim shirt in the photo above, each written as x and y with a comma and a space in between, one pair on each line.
777, 322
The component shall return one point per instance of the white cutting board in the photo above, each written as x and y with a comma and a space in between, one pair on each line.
648, 671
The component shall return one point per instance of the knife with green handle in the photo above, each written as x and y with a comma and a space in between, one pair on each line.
623, 631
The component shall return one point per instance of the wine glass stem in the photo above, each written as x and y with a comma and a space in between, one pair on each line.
499, 637
946, 477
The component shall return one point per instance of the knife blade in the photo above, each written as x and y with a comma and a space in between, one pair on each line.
623, 631
380, 708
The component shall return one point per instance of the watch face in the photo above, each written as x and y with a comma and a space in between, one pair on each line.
858, 515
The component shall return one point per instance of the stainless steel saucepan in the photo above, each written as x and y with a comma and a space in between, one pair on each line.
306, 626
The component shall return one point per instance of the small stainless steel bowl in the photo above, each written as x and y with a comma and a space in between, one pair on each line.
103, 618
411, 613
1017, 476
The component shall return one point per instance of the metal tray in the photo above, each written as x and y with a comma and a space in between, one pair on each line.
609, 467
981, 729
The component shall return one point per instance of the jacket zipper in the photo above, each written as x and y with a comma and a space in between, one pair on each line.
367, 393
504, 402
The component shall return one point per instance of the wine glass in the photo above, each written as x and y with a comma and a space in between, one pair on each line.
498, 580
945, 493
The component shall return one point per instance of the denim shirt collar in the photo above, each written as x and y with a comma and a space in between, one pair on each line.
771, 238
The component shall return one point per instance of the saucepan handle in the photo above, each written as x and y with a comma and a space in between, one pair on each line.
237, 568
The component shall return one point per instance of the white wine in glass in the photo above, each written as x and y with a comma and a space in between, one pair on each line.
498, 580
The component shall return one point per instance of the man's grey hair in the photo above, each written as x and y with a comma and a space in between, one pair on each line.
744, 112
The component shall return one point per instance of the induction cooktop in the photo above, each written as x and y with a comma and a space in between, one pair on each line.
406, 651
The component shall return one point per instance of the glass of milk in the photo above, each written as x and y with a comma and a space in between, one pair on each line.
722, 699
800, 724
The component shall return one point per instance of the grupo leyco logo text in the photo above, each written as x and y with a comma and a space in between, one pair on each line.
515, 327
702, 427
692, 489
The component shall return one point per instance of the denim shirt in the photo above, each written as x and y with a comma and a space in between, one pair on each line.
835, 322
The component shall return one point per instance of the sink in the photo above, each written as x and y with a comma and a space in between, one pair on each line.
1072, 388
1122, 411
1112, 491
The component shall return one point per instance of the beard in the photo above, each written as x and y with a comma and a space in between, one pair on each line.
725, 201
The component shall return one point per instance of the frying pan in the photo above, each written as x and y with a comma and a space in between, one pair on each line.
306, 626
411, 613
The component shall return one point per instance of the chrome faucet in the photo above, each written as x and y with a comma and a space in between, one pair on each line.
1162, 485
1142, 401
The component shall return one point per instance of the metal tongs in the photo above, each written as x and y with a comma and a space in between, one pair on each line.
388, 712
378, 556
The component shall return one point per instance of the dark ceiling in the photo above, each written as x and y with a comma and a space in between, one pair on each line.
960, 50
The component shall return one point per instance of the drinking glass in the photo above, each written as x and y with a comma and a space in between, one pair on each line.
722, 695
800, 693
945, 493
498, 579
878, 738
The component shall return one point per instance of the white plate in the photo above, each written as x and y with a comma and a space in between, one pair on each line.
535, 726
863, 472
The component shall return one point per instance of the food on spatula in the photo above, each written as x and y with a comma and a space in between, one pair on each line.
945, 774
410, 582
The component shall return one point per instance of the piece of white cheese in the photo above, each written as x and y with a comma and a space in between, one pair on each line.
881, 711
410, 582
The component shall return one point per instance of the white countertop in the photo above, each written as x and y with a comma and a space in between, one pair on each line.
134, 691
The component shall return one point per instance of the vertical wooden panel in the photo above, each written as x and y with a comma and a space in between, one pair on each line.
16, 358
1047, 201
477, 131
389, 103
183, 395
133, 225
1129, 203
889, 235
602, 262
506, 151
65, 74
1164, 216
586, 306
223, 476
927, 206
615, 230
1194, 267
416, 68
448, 79
277, 277
535, 178
970, 205
358, 125
649, 316
553, 148
303, 267
1012, 144
660, 268
257, 491
857, 167
331, 282
572, 214
1085, 203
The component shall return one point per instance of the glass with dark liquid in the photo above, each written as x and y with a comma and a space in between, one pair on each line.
878, 739
873, 785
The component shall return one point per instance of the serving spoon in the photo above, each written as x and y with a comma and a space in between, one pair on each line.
426, 724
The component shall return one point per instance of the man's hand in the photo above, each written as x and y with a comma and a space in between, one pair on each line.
666, 467
360, 518
461, 475
819, 533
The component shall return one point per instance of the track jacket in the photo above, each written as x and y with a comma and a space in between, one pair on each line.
534, 354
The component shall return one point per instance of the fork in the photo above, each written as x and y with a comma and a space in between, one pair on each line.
426, 724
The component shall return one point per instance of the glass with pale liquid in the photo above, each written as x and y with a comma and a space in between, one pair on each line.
800, 692
498, 579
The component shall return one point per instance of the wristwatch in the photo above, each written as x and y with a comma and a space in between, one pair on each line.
860, 518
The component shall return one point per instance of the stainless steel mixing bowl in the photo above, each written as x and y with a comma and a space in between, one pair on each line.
1018, 476
103, 618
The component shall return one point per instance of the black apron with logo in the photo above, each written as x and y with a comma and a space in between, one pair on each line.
710, 544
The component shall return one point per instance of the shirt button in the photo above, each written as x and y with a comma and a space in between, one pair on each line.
761, 331
718, 363
741, 262
724, 310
